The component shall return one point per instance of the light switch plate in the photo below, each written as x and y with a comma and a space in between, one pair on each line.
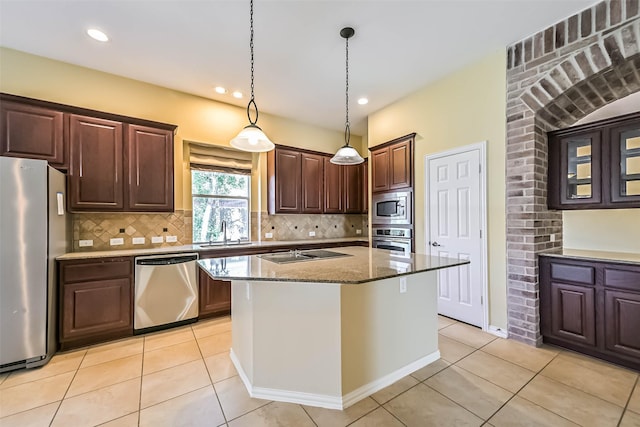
138, 240
312, 234
268, 235
171, 239
403, 285
552, 237
156, 239
116, 242
85, 243
358, 231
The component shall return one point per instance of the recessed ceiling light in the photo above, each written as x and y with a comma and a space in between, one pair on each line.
363, 101
97, 35
237, 94
220, 89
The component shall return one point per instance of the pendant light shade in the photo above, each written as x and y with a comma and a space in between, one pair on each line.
252, 138
347, 155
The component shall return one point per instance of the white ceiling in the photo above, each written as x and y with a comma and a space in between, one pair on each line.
192, 46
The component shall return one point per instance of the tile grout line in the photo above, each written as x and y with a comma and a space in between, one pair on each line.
390, 413
68, 387
309, 415
625, 409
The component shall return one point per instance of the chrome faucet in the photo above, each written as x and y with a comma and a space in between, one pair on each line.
223, 229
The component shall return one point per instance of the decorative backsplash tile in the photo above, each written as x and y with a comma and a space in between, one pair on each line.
297, 227
101, 227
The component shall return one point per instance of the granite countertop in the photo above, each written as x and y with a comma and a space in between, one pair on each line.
201, 248
360, 266
625, 257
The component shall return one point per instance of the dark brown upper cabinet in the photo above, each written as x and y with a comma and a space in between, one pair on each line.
284, 187
149, 169
32, 131
312, 171
595, 166
303, 181
96, 180
392, 164
115, 163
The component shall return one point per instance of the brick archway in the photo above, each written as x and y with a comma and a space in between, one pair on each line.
555, 78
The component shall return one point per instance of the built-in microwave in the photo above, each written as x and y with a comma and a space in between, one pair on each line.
391, 208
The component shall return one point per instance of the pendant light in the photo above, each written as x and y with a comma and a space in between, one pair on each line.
251, 138
347, 155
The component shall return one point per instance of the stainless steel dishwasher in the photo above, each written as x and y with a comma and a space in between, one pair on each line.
166, 291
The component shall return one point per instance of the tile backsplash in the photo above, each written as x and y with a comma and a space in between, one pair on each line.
100, 228
297, 227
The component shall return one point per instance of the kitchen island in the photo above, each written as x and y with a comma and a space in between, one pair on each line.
330, 331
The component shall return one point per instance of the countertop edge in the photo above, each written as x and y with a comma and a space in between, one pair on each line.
600, 256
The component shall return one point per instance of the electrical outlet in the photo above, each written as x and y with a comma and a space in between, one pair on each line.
248, 290
138, 240
312, 234
84, 243
268, 235
403, 285
172, 239
552, 237
358, 231
156, 239
117, 241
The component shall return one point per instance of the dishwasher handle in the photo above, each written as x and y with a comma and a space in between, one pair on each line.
167, 260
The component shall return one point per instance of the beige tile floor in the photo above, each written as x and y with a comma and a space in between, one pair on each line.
183, 377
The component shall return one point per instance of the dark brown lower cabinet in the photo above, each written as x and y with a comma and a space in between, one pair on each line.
592, 307
215, 296
96, 301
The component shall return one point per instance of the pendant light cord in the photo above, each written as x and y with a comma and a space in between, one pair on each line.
347, 130
252, 100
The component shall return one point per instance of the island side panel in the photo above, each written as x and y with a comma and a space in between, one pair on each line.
297, 338
242, 329
384, 331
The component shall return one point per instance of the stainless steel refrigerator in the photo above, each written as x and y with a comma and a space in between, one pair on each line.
33, 231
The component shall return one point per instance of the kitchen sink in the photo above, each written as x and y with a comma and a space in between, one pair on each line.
299, 256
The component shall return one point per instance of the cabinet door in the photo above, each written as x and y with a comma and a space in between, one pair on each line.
380, 170
365, 186
573, 313
622, 317
400, 165
215, 295
575, 170
353, 188
95, 172
333, 187
312, 184
287, 181
95, 308
149, 169
32, 132
624, 142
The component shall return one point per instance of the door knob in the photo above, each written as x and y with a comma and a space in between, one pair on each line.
436, 244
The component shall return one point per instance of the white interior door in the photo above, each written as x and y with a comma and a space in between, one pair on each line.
455, 215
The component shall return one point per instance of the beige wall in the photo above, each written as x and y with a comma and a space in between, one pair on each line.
463, 108
198, 119
615, 230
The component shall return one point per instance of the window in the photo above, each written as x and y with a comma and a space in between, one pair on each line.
217, 197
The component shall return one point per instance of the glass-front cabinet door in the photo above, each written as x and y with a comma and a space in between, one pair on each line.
625, 156
580, 169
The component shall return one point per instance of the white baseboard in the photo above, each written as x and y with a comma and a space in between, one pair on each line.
368, 389
497, 331
328, 401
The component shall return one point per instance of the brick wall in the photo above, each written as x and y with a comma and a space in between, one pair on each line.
556, 77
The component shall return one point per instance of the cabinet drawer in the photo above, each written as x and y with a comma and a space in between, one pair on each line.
623, 277
573, 273
96, 270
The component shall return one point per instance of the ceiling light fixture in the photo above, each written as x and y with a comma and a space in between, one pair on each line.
363, 101
251, 138
237, 94
220, 90
97, 35
347, 155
